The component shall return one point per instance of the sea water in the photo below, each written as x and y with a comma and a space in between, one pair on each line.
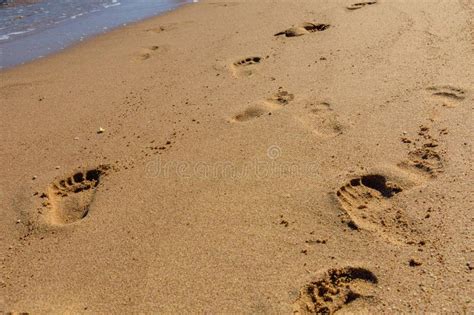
30, 31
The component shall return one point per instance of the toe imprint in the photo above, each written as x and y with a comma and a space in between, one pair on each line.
246, 67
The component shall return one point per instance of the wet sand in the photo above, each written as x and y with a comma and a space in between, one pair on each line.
29, 32
198, 162
7, 3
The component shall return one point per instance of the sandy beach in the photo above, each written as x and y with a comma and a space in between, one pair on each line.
280, 157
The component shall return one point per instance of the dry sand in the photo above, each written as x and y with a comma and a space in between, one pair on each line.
242, 172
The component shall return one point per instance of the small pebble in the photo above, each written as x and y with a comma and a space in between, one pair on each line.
34, 177
101, 130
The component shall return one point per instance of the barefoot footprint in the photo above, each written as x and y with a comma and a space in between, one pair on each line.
369, 203
426, 160
364, 200
425, 155
147, 53
274, 103
281, 98
303, 29
321, 119
256, 111
70, 197
335, 289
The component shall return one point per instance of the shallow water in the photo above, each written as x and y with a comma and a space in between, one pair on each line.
35, 30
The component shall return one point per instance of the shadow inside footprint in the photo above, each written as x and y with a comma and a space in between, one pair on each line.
303, 29
379, 183
334, 289
70, 197
360, 5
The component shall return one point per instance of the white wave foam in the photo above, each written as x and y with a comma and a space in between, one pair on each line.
7, 36
114, 4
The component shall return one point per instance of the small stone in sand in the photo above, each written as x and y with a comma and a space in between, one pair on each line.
101, 130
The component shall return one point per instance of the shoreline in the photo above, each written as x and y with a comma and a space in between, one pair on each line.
210, 149
50, 40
